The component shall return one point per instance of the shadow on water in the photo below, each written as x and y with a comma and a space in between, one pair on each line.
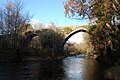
71, 68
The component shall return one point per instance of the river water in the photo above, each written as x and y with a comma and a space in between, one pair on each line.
70, 68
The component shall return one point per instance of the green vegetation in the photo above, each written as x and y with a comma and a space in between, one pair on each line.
15, 28
84, 47
104, 26
104, 15
49, 40
47, 43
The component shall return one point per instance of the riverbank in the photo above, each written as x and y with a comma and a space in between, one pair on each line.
112, 73
29, 56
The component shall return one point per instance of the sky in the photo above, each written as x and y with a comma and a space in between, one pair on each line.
76, 38
48, 11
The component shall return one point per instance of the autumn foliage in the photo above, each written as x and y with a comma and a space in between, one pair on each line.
105, 17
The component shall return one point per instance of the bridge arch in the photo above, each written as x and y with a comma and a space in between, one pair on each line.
28, 39
71, 34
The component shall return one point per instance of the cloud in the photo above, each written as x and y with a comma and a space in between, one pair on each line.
37, 24
34, 21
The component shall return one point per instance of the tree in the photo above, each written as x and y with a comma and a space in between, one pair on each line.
12, 20
105, 13
51, 39
97, 10
67, 29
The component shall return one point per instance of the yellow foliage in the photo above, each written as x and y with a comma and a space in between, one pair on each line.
108, 25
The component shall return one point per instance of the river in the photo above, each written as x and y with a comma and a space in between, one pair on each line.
70, 68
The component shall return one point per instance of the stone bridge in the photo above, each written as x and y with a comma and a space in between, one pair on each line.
74, 32
28, 38
81, 29
74, 29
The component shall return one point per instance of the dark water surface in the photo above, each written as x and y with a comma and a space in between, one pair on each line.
71, 68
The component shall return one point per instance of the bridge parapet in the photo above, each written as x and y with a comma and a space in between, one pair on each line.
74, 29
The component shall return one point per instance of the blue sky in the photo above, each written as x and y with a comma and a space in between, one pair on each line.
48, 11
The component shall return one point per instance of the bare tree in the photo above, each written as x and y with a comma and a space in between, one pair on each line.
14, 17
1, 22
12, 20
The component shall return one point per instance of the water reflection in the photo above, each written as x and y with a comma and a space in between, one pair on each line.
71, 68
81, 69
51, 71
